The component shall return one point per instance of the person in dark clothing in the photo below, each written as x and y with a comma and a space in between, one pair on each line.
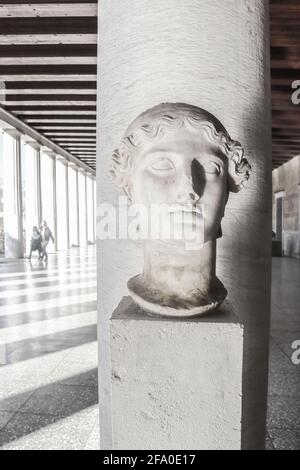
36, 242
46, 235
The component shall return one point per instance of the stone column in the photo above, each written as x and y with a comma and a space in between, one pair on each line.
94, 206
77, 206
214, 55
53, 156
86, 209
12, 195
67, 204
38, 183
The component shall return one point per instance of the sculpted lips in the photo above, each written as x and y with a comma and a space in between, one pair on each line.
186, 209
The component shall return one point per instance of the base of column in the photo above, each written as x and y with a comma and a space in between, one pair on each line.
176, 384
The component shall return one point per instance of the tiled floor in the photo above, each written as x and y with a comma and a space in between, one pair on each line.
284, 376
48, 385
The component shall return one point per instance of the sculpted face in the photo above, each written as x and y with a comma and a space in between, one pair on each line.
181, 160
186, 171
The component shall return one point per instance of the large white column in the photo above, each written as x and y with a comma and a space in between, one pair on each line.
214, 55
38, 183
77, 207
12, 195
53, 156
86, 208
94, 209
67, 205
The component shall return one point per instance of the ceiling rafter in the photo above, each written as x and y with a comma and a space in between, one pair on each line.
285, 68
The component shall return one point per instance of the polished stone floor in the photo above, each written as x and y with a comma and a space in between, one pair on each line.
284, 376
48, 377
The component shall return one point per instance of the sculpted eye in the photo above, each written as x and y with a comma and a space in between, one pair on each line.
162, 164
212, 168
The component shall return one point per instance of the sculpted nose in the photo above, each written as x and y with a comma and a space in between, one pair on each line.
186, 193
194, 196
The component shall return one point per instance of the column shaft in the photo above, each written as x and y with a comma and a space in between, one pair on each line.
86, 209
38, 185
77, 208
214, 55
12, 196
67, 206
54, 201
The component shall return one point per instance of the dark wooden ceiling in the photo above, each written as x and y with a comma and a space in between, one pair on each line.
285, 68
48, 51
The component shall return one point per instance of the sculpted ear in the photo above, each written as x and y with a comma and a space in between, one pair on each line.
120, 170
239, 170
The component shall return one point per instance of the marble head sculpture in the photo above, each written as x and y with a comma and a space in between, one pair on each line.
180, 156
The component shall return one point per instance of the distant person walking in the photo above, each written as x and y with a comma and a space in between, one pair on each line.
46, 235
36, 242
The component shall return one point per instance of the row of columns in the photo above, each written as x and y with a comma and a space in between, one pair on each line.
13, 204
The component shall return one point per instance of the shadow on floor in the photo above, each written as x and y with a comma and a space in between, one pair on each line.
49, 404
36, 347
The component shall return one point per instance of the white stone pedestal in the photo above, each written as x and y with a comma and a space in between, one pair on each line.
176, 384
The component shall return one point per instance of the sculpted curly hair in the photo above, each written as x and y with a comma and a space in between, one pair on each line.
155, 122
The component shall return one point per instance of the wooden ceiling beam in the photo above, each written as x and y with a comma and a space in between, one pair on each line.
70, 133
59, 85
284, 40
48, 50
78, 145
66, 127
67, 140
40, 10
62, 60
61, 117
51, 97
48, 91
33, 114
285, 73
60, 120
46, 69
284, 9
50, 39
41, 107
277, 130
49, 25
49, 77
55, 102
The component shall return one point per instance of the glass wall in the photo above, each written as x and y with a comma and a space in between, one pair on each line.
62, 238
20, 201
73, 208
